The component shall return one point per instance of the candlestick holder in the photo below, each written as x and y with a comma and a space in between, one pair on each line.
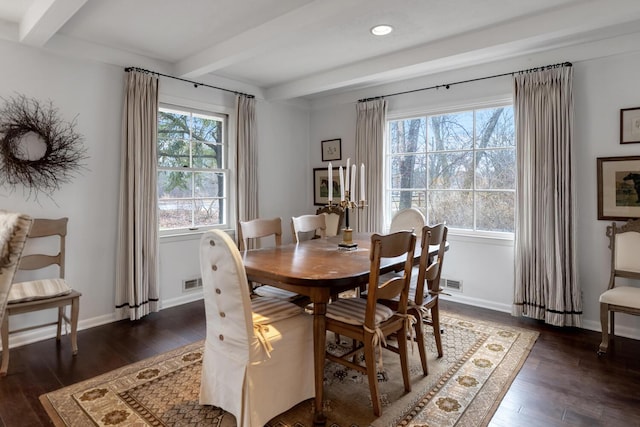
347, 232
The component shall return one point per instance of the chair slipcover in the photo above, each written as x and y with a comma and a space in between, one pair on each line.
256, 364
14, 228
407, 219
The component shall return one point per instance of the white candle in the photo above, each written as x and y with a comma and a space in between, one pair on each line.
330, 183
341, 184
346, 178
362, 197
353, 182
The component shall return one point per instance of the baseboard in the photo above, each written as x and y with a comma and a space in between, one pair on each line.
476, 302
183, 299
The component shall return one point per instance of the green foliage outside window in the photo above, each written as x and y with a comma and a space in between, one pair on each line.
191, 170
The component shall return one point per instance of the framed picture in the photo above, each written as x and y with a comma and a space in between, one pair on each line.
331, 150
630, 125
619, 187
321, 186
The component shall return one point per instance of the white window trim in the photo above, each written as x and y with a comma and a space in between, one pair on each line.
400, 114
177, 102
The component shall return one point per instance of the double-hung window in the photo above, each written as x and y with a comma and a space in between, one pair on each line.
456, 167
193, 171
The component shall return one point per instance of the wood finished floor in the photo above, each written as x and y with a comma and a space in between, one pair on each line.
562, 383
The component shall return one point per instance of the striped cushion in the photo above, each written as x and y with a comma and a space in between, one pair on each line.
270, 310
352, 311
38, 289
273, 292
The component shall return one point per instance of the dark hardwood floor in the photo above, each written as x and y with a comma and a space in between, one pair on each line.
562, 383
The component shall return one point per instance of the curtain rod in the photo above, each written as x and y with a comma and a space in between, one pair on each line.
448, 85
195, 84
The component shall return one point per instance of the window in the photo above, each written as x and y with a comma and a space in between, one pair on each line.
193, 175
457, 167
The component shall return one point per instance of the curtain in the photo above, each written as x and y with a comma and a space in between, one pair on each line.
546, 285
247, 159
136, 262
370, 128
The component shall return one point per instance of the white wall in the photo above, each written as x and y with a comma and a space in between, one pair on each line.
601, 88
92, 92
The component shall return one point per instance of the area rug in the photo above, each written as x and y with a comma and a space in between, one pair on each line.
463, 388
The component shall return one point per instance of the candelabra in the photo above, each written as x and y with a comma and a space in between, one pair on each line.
347, 232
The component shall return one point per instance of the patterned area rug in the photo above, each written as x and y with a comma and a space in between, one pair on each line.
463, 388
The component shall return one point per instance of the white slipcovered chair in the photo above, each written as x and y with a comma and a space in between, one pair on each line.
624, 242
334, 216
258, 356
410, 219
14, 228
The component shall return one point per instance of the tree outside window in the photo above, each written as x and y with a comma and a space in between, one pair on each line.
192, 170
458, 168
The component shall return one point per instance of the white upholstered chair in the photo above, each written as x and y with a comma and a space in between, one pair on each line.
258, 355
14, 228
314, 225
407, 219
368, 322
624, 242
258, 229
43, 294
334, 216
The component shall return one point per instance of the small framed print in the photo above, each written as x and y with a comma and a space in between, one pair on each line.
321, 186
630, 125
331, 150
618, 187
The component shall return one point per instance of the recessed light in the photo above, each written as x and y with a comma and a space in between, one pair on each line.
381, 30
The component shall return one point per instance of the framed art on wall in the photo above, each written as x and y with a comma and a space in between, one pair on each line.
618, 187
321, 186
331, 150
629, 125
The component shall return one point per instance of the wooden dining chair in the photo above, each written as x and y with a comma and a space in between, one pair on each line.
624, 242
43, 294
258, 229
310, 226
334, 216
410, 219
258, 353
368, 322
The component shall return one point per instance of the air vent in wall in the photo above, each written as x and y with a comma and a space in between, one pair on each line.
191, 284
451, 284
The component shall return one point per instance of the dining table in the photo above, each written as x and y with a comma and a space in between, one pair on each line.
318, 269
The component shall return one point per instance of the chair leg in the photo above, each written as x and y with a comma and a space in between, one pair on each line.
612, 322
60, 320
75, 311
372, 373
604, 325
5, 345
420, 340
437, 332
404, 360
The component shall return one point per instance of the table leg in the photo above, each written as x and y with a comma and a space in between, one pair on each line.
319, 343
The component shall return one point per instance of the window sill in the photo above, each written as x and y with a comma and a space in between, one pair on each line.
499, 239
180, 236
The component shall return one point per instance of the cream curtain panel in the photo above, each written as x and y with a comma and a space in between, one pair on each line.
136, 264
370, 130
546, 285
247, 159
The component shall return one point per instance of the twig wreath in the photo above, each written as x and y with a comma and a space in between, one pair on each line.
25, 122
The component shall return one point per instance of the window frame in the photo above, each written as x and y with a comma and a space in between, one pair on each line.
434, 111
229, 148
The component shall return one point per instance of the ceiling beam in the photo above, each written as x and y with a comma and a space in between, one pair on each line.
274, 33
44, 18
532, 34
